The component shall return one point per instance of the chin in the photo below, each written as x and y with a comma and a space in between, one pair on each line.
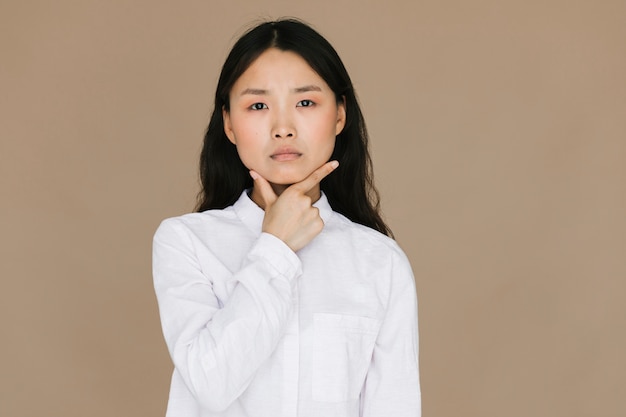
286, 181
287, 178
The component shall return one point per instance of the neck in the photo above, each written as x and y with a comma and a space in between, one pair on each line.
314, 194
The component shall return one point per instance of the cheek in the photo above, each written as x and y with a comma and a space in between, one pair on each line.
247, 144
324, 146
325, 130
246, 133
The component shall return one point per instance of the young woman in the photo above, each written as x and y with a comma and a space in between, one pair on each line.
284, 294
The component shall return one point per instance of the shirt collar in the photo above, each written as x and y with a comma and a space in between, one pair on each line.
252, 215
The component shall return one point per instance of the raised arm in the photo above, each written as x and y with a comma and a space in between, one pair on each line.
217, 348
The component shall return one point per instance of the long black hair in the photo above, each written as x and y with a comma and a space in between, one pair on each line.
350, 189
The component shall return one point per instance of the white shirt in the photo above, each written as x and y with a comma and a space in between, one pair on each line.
255, 329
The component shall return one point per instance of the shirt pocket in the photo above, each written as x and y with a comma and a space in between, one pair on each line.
342, 351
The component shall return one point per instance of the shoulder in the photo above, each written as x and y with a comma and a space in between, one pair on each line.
375, 257
194, 223
339, 224
365, 238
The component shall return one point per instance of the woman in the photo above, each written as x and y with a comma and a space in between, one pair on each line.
283, 295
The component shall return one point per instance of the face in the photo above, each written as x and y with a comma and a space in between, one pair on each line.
283, 118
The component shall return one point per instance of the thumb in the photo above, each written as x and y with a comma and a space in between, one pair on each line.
264, 189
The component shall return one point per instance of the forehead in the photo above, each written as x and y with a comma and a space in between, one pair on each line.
275, 68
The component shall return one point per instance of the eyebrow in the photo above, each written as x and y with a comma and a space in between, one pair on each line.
261, 92
307, 88
254, 91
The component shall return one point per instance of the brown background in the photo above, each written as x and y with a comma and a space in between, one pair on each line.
499, 140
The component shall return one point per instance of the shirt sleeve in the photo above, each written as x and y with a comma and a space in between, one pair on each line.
392, 386
217, 349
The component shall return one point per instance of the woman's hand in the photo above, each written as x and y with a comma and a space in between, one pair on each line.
291, 216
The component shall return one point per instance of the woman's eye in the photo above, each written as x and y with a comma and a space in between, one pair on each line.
305, 103
258, 106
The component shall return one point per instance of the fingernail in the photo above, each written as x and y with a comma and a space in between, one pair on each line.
334, 164
254, 175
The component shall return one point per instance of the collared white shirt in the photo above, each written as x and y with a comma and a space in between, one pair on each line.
255, 329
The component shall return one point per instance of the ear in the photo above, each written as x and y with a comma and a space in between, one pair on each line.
341, 115
228, 127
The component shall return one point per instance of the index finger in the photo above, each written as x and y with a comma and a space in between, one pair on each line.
264, 189
316, 176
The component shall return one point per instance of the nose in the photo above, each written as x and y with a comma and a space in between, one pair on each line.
283, 128
282, 133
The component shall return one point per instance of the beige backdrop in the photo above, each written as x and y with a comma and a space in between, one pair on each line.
499, 139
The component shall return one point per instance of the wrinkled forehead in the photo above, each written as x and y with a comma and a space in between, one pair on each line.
276, 70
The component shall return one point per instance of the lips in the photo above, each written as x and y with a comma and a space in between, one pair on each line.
285, 154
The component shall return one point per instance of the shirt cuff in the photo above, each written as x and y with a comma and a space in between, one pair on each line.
277, 254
